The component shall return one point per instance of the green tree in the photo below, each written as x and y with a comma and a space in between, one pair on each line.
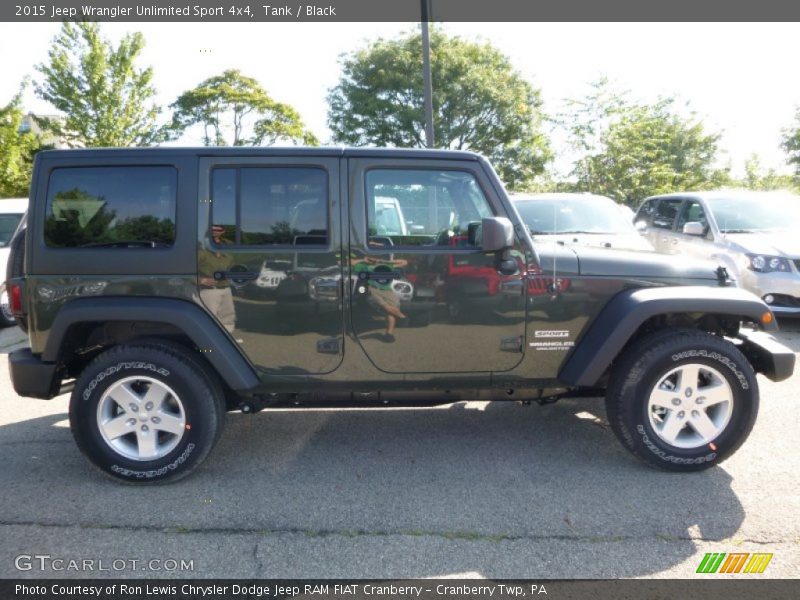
238, 105
755, 178
634, 150
791, 144
480, 103
16, 150
106, 99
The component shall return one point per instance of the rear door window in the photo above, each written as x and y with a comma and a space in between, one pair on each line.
667, 211
269, 206
111, 207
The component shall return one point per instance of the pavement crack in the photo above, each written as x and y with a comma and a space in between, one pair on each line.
321, 533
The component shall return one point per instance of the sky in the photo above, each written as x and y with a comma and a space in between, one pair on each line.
736, 76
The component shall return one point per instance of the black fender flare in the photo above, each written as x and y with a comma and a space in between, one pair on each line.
616, 323
219, 349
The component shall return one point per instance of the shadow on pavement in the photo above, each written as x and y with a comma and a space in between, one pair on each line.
508, 478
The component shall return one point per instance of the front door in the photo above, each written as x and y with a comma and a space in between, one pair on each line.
425, 297
269, 259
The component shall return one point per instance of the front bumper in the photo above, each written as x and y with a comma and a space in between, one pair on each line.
767, 355
784, 287
33, 378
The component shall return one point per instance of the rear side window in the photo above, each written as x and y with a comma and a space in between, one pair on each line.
664, 217
111, 207
267, 206
646, 211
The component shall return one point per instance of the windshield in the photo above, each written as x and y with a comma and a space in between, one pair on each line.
8, 225
756, 213
573, 215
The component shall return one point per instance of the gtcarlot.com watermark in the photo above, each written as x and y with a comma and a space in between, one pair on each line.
58, 564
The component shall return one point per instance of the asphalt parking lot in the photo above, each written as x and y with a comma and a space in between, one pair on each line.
472, 489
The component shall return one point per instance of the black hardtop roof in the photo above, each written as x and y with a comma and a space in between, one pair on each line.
210, 151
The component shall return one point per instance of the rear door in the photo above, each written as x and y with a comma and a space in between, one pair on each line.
425, 298
666, 239
269, 258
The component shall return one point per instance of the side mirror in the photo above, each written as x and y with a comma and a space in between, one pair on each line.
496, 235
640, 226
694, 228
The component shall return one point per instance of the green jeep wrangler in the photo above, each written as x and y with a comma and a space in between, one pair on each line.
164, 287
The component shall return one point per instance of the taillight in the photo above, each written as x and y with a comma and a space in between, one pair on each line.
15, 299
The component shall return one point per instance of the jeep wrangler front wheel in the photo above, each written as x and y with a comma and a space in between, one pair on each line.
682, 400
146, 412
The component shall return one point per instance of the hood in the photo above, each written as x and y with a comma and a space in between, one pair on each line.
643, 265
773, 244
623, 241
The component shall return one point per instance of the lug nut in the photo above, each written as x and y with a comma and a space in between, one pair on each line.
149, 406
681, 414
156, 420
700, 400
131, 421
145, 428
676, 401
133, 407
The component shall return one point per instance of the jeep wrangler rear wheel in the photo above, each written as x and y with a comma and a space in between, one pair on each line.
682, 400
146, 412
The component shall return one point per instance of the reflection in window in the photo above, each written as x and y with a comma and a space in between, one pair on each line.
274, 205
424, 207
118, 207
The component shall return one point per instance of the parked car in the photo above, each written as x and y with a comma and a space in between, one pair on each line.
753, 234
579, 219
11, 213
136, 292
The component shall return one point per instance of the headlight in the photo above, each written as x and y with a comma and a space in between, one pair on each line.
768, 264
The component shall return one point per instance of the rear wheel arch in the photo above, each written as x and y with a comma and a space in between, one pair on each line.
84, 327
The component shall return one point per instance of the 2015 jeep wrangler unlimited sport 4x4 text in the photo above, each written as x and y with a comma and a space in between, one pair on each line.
167, 286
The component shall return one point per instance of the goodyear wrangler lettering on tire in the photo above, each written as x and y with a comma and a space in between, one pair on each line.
682, 400
674, 459
714, 356
162, 471
117, 368
146, 412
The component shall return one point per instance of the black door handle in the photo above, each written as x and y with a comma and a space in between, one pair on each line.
235, 275
380, 276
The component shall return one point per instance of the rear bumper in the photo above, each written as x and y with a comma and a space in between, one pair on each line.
32, 377
767, 356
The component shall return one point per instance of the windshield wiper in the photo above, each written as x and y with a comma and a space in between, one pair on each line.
736, 231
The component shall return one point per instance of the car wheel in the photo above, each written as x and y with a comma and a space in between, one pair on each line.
146, 413
6, 317
682, 400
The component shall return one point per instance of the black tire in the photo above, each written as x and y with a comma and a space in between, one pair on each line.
198, 391
640, 369
16, 268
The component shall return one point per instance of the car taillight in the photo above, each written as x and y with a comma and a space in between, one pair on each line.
15, 299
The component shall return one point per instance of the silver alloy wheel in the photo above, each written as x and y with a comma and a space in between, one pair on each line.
690, 406
141, 418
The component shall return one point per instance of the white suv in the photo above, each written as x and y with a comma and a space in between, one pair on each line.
11, 213
753, 234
